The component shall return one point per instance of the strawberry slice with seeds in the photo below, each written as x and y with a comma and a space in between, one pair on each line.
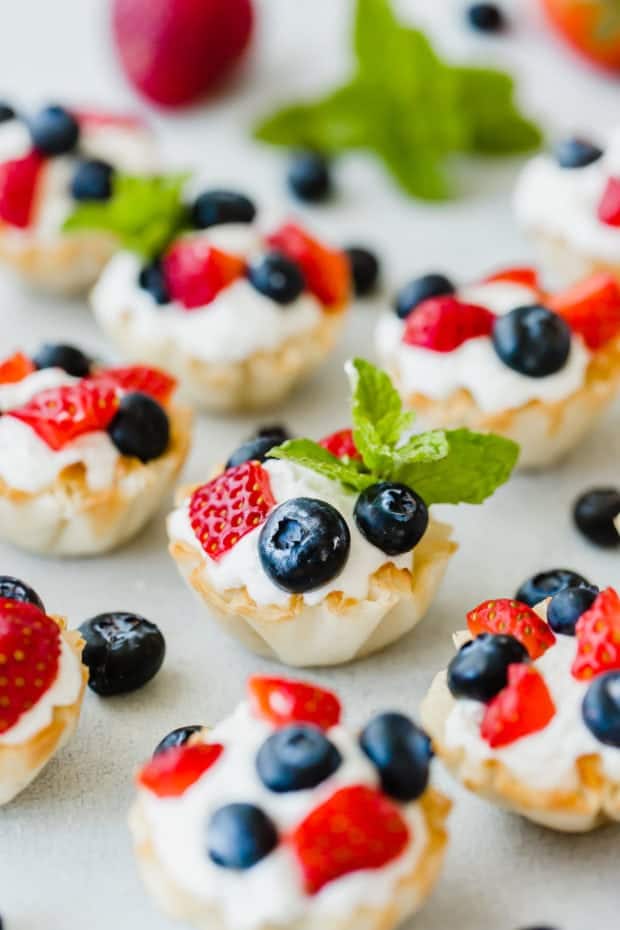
223, 511
522, 274
598, 637
523, 707
170, 773
282, 701
591, 308
512, 618
145, 380
341, 444
195, 272
445, 323
19, 180
609, 205
15, 368
61, 414
327, 271
356, 828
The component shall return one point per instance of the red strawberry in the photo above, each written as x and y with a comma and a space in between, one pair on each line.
174, 51
524, 706
61, 414
100, 118
357, 828
341, 444
223, 511
18, 186
283, 701
15, 368
152, 381
591, 308
512, 618
29, 654
524, 275
598, 637
609, 204
444, 323
171, 772
327, 271
195, 272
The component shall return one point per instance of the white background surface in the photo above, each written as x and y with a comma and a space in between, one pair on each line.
65, 859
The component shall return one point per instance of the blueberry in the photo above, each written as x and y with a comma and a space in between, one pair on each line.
401, 752
92, 181
239, 836
546, 584
153, 280
211, 208
364, 269
480, 668
532, 340
601, 708
140, 427
566, 607
576, 153
254, 450
486, 17
296, 757
304, 544
61, 355
277, 430
123, 651
277, 277
308, 176
420, 289
6, 112
178, 737
16, 590
594, 514
54, 131
391, 517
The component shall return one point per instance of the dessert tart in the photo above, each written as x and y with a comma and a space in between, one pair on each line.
281, 817
528, 713
503, 355
54, 166
86, 452
322, 553
42, 683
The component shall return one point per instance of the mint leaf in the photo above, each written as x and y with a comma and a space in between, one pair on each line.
422, 447
311, 455
376, 401
495, 124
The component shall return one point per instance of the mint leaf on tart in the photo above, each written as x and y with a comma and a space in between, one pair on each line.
311, 455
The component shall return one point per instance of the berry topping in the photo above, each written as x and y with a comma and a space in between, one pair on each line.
566, 607
523, 707
479, 670
254, 450
391, 517
275, 430
420, 289
364, 269
576, 153
591, 309
6, 112
176, 738
61, 414
524, 275
594, 513
54, 131
240, 835
15, 368
283, 701
401, 752
153, 280
357, 828
601, 708
277, 277
510, 617
60, 355
609, 205
18, 187
304, 544
152, 381
598, 637
29, 654
532, 340
546, 584
140, 427
195, 272
123, 652
92, 180
342, 445
308, 176
171, 772
13, 589
212, 208
326, 271
486, 17
444, 323
296, 757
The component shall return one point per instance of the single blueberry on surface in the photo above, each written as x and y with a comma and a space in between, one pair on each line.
123, 652
296, 757
532, 340
401, 753
309, 177
60, 355
576, 153
214, 207
594, 513
6, 112
277, 277
420, 289
601, 708
153, 280
391, 517
486, 17
140, 427
566, 607
178, 737
54, 131
16, 590
479, 670
364, 269
546, 584
239, 836
92, 180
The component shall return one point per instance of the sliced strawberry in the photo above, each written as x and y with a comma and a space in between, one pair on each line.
283, 701
598, 637
341, 444
61, 414
609, 205
18, 186
195, 272
327, 271
444, 323
524, 275
356, 828
223, 511
170, 773
152, 381
29, 655
15, 368
512, 618
591, 308
523, 707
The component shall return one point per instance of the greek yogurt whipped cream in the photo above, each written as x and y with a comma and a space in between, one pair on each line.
241, 565
270, 893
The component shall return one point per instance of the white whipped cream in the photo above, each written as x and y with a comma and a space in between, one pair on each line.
20, 392
241, 565
271, 892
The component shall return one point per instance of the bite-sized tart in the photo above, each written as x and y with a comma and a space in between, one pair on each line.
53, 165
503, 355
86, 452
528, 713
282, 818
42, 683
238, 312
322, 553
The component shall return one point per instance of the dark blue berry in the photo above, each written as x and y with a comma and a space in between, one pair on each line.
401, 752
576, 153
391, 517
6, 112
601, 708
153, 280
211, 208
277, 277
532, 340
309, 177
254, 450
277, 430
239, 836
304, 544
479, 670
594, 514
123, 651
140, 427
60, 355
16, 590
92, 181
486, 17
364, 269
420, 289
546, 584
296, 757
178, 737
54, 131
566, 607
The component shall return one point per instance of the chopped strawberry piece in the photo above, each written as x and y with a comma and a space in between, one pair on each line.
524, 275
444, 323
15, 368
341, 444
18, 186
523, 707
195, 272
223, 511
598, 637
170, 773
283, 701
29, 656
609, 204
152, 381
61, 414
591, 308
356, 828
512, 618
327, 271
